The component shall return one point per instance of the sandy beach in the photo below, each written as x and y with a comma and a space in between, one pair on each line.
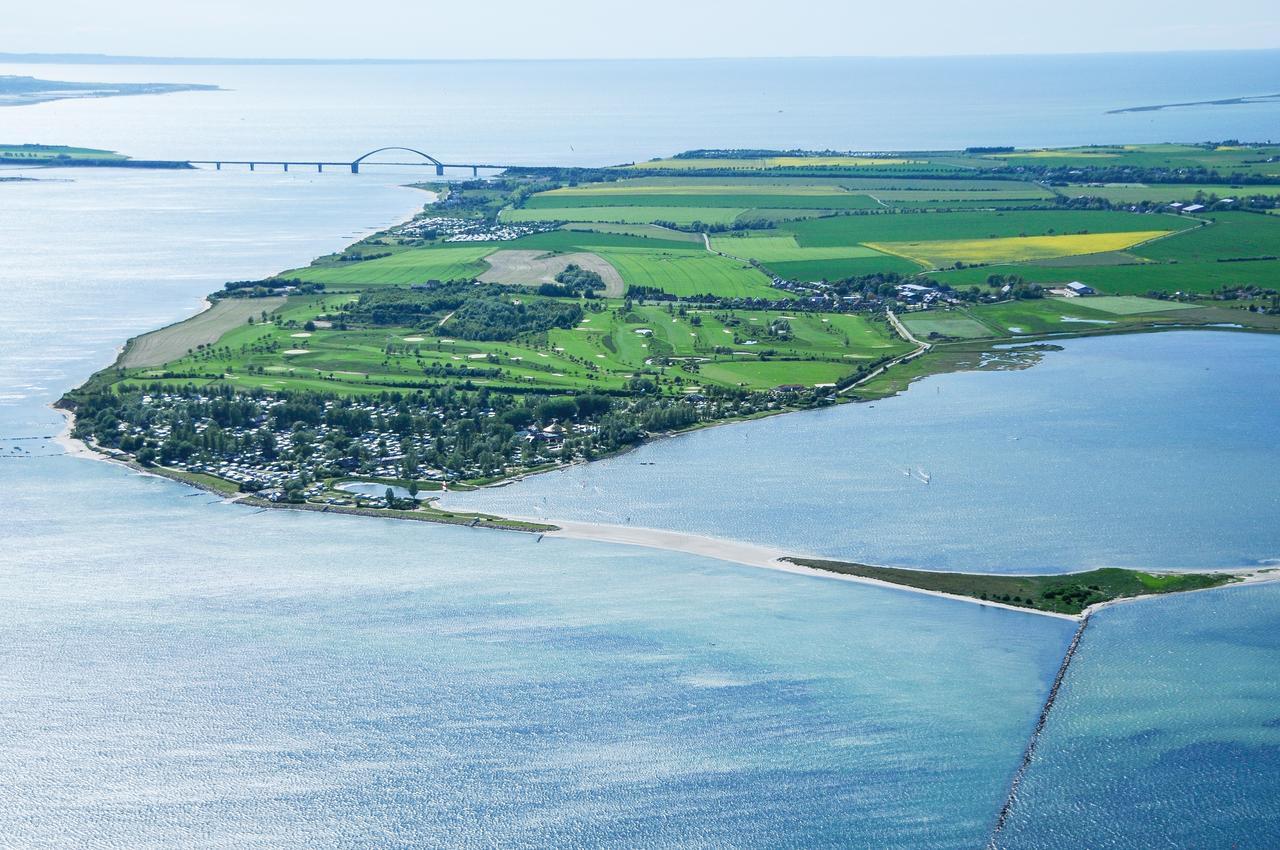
738, 552
69, 444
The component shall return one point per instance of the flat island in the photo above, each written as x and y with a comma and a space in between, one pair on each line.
1064, 593
24, 91
54, 156
554, 316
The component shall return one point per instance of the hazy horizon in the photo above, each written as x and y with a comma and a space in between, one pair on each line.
82, 58
666, 29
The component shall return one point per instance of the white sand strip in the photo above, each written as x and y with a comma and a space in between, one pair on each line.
737, 552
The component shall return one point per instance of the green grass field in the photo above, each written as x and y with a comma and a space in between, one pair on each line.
406, 267
1128, 305
174, 341
628, 215
733, 200
690, 272
1225, 160
1137, 279
955, 324
643, 231
809, 270
1167, 192
695, 347
1231, 235
762, 163
772, 249
1235, 249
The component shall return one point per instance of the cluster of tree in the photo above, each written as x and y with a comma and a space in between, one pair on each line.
576, 279
398, 307
475, 312
269, 286
495, 318
1019, 287
1085, 201
1081, 172
359, 258
718, 227
877, 284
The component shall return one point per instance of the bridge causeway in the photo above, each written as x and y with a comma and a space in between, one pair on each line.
354, 165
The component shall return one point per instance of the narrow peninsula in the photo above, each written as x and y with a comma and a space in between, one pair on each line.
553, 316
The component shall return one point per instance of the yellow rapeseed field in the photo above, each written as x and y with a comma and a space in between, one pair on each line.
775, 162
1013, 249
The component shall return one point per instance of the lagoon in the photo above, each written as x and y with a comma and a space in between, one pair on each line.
1150, 451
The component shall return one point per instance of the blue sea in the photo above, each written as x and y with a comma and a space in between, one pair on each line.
176, 671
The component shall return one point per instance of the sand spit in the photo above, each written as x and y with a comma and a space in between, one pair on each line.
737, 552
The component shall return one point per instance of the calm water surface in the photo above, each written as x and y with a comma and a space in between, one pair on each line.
598, 113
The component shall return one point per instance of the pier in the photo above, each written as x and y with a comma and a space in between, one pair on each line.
1030, 751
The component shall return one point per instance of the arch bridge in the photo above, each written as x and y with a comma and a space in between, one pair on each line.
440, 166
426, 160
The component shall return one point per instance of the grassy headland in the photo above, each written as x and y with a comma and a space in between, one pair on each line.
1069, 593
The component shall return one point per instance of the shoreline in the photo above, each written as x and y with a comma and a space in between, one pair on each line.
722, 549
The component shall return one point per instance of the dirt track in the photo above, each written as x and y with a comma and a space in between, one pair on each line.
159, 347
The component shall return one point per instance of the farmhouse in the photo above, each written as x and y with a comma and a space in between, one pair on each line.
1079, 288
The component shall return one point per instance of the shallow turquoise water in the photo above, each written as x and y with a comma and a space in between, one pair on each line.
1166, 732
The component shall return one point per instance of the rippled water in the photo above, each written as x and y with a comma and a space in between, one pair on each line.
179, 672
1166, 733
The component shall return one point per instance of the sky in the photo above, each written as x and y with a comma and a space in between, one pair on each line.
569, 29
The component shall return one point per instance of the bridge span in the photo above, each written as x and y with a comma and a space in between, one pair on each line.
354, 165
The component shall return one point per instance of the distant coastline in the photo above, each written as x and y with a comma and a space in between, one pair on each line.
28, 91
1226, 101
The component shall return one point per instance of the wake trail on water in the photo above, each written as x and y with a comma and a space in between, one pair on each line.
1030, 751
